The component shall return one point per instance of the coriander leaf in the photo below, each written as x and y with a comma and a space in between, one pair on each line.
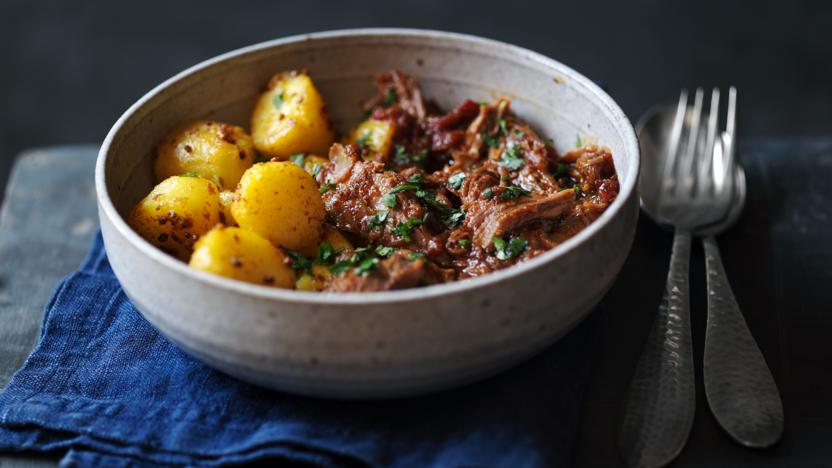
453, 218
297, 158
549, 142
316, 169
416, 178
278, 100
490, 140
299, 262
513, 191
577, 189
389, 200
511, 159
325, 253
401, 156
578, 142
508, 250
455, 181
404, 229
503, 126
561, 170
385, 251
189, 174
378, 219
327, 187
366, 266
464, 243
364, 141
518, 133
390, 97
340, 267
402, 188
417, 256
488, 193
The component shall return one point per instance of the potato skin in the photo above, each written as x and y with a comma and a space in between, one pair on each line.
281, 202
242, 255
176, 213
216, 151
290, 117
374, 137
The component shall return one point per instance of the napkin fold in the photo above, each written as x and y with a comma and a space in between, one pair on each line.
105, 387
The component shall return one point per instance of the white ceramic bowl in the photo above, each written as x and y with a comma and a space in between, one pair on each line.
382, 344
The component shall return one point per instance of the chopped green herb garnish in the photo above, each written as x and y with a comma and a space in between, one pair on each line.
402, 188
549, 142
455, 181
390, 97
189, 174
385, 251
561, 170
505, 178
389, 200
364, 141
340, 267
404, 229
327, 187
325, 253
577, 189
578, 142
299, 262
511, 159
401, 156
490, 140
518, 133
417, 159
366, 266
316, 169
488, 193
367, 113
513, 191
378, 219
453, 218
464, 243
416, 178
297, 158
503, 126
508, 250
278, 100
417, 256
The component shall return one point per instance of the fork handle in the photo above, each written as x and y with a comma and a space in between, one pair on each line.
660, 404
740, 388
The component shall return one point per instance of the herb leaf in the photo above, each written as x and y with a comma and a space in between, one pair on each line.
417, 256
316, 169
389, 200
367, 265
297, 158
404, 229
455, 181
549, 142
577, 189
327, 187
278, 100
488, 193
511, 159
561, 170
325, 253
464, 243
508, 250
578, 142
503, 126
190, 174
453, 218
390, 97
378, 219
385, 251
299, 262
513, 191
364, 141
490, 140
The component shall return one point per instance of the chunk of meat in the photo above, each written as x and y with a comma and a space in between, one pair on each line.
448, 131
400, 271
355, 203
490, 218
395, 89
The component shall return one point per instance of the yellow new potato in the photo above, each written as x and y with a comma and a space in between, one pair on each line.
374, 137
242, 255
336, 239
176, 213
281, 202
316, 281
290, 117
226, 199
213, 150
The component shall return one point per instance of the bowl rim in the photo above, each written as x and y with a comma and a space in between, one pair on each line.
620, 121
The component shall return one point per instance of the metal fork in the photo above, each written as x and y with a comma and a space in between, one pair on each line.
660, 404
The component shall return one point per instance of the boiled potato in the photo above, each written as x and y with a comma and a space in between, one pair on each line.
242, 255
374, 137
176, 213
226, 216
213, 150
281, 202
290, 117
315, 281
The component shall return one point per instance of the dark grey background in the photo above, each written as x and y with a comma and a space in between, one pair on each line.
69, 69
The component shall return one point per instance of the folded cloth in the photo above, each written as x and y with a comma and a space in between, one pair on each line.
103, 385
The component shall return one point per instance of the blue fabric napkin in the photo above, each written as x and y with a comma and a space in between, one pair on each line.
103, 385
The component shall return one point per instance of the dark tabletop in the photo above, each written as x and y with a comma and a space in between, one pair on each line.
70, 69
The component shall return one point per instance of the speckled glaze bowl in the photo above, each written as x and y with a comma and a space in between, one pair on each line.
384, 344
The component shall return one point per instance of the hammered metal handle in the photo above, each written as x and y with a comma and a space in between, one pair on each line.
738, 383
660, 404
